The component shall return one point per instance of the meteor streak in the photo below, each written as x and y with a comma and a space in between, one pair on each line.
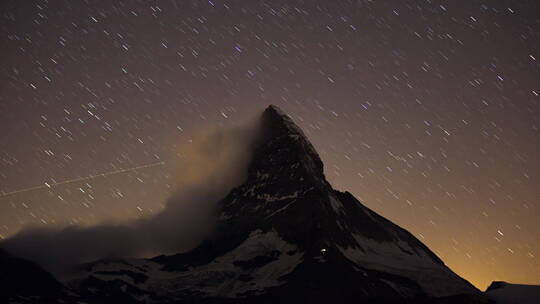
74, 180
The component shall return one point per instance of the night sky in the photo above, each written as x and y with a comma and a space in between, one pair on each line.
427, 111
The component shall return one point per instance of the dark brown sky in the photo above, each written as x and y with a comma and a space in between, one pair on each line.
427, 111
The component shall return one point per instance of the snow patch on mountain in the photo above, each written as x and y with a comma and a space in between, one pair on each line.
280, 209
262, 259
399, 258
271, 198
284, 258
397, 254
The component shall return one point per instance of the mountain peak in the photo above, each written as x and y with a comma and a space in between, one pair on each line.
283, 147
276, 122
273, 110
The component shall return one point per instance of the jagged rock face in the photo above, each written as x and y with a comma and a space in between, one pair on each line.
286, 236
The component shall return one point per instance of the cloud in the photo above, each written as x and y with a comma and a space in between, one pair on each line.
211, 165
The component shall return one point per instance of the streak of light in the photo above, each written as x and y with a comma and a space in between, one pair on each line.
74, 180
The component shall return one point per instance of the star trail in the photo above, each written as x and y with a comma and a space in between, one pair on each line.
427, 111
79, 179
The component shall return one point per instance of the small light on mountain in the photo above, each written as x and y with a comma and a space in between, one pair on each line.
323, 250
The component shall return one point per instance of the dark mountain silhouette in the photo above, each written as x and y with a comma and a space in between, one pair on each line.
506, 293
22, 280
285, 236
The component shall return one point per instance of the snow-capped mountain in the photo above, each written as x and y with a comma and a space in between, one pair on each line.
285, 236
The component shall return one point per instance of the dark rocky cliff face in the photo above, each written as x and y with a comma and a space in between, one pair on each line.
286, 236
